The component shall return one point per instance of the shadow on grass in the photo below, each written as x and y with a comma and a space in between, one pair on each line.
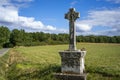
103, 71
45, 73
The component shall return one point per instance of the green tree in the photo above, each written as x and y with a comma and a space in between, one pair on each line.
54, 37
117, 39
4, 35
113, 39
17, 37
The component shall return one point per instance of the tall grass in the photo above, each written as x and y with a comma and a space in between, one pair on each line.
102, 62
3, 66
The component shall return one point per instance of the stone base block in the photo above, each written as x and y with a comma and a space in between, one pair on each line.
72, 62
61, 76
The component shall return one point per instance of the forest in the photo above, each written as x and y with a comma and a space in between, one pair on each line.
17, 37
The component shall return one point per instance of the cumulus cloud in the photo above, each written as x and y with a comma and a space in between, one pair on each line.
82, 27
110, 18
105, 18
9, 17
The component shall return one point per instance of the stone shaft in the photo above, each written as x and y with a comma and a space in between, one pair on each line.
72, 42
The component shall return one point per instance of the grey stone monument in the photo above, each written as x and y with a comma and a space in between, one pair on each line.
72, 60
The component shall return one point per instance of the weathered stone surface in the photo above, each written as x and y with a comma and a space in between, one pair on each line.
72, 16
72, 61
61, 76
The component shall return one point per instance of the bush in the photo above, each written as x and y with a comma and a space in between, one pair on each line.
8, 45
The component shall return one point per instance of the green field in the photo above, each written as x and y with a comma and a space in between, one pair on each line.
102, 62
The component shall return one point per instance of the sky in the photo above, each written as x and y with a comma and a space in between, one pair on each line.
97, 17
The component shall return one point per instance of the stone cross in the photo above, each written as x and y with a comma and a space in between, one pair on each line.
72, 60
72, 16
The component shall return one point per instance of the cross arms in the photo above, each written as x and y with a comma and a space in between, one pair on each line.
72, 15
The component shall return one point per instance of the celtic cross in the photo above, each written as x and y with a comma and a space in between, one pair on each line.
72, 16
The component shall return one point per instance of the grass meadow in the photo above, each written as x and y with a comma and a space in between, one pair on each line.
102, 62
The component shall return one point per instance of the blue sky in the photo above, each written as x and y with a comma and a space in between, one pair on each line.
97, 17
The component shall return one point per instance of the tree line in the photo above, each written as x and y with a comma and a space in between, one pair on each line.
21, 38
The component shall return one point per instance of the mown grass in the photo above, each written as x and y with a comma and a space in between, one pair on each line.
102, 62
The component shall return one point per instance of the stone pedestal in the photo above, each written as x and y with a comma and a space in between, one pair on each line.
72, 61
61, 76
72, 65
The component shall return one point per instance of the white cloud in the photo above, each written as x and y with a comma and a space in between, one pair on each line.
82, 27
9, 17
114, 1
104, 18
8, 14
73, 3
50, 28
23, 0
110, 32
30, 23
